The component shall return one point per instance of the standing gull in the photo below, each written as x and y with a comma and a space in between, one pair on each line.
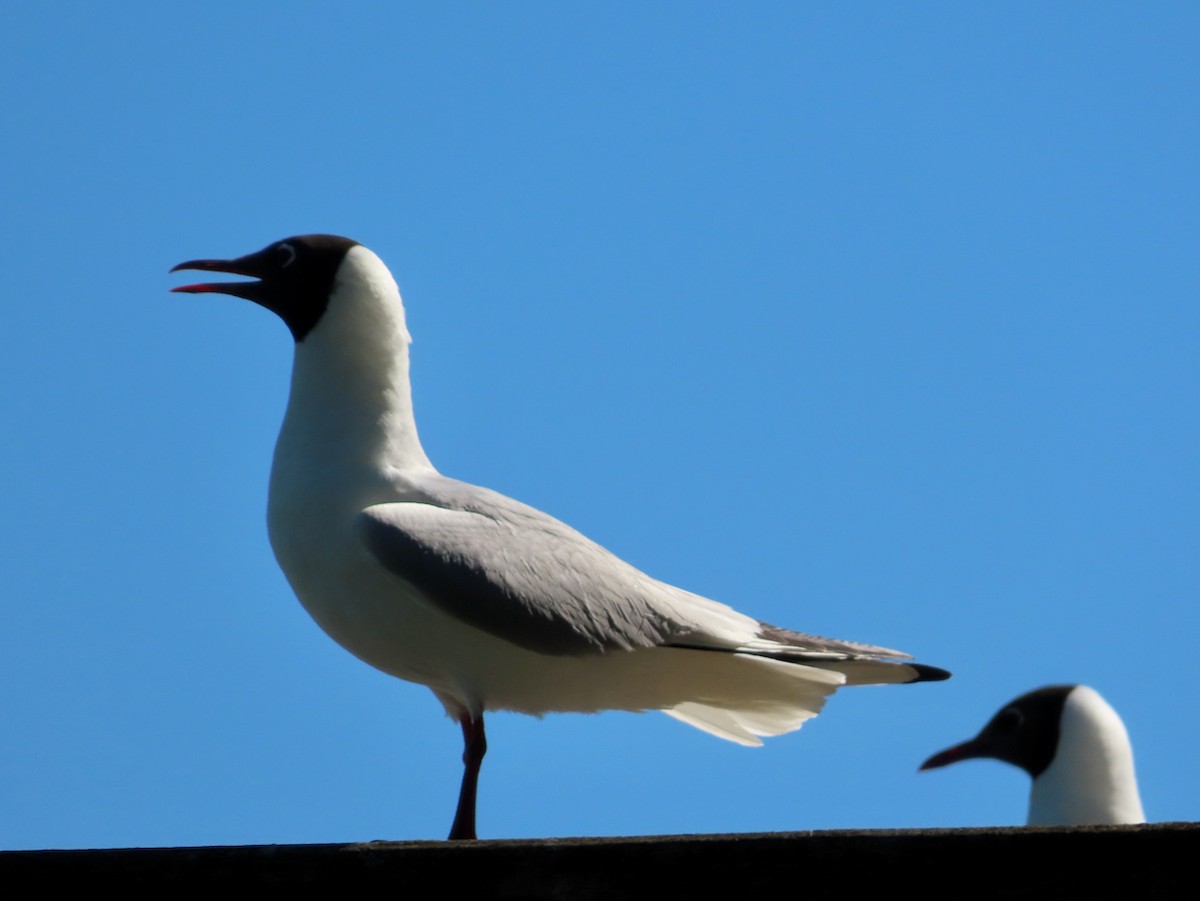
491, 604
1074, 746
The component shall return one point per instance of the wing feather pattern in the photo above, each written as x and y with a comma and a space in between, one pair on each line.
524, 576
530, 580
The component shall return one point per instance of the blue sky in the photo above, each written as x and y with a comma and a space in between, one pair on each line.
877, 321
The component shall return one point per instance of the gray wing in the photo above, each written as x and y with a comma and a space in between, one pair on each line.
519, 574
524, 576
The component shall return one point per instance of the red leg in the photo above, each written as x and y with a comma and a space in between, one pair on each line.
474, 747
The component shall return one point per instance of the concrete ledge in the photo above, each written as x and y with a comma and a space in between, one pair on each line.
1153, 861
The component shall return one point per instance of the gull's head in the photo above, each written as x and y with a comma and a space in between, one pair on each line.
1024, 732
294, 277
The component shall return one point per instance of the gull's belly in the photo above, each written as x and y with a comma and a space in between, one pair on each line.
378, 617
386, 621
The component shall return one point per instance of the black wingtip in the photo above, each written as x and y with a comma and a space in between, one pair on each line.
926, 673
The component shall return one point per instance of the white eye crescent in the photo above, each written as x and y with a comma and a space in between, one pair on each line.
289, 255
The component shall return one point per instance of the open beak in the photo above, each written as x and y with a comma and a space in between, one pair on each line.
251, 264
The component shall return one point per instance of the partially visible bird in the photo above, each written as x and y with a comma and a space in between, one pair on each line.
1074, 746
491, 604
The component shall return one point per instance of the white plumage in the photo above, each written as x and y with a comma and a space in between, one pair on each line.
1075, 748
490, 603
1091, 779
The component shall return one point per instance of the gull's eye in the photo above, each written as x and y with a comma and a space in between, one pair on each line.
287, 255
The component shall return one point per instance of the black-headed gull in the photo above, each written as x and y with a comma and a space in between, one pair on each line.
1073, 745
491, 604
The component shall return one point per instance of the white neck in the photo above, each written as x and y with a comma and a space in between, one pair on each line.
1091, 779
350, 408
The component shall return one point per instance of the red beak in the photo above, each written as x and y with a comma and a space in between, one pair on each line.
251, 264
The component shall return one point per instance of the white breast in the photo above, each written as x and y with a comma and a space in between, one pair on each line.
1091, 779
